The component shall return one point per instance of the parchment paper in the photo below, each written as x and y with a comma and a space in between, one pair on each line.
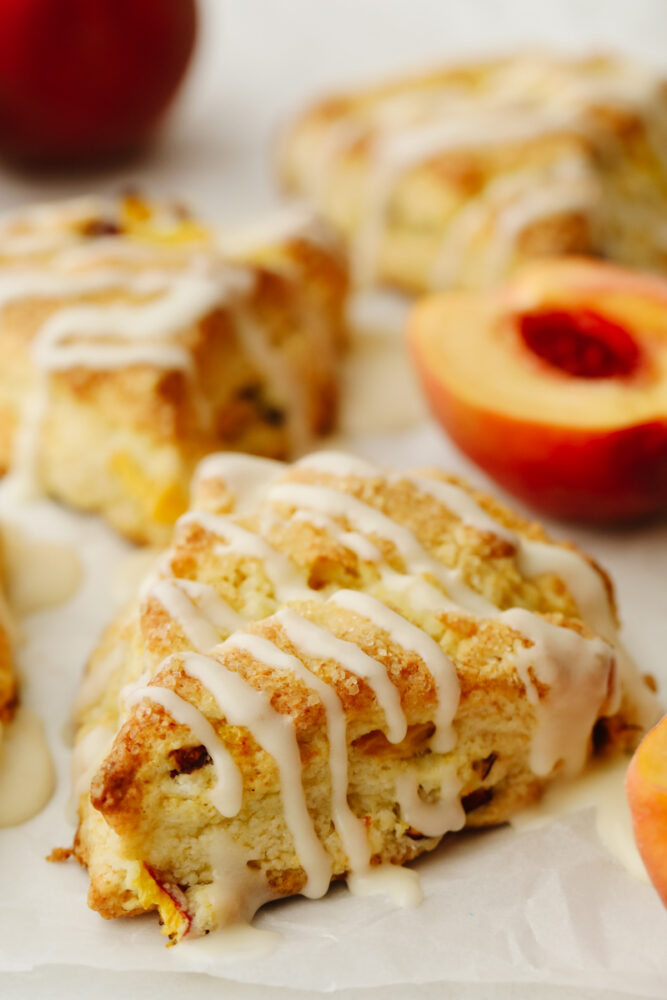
546, 906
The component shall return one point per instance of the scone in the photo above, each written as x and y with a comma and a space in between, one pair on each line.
134, 341
332, 667
451, 178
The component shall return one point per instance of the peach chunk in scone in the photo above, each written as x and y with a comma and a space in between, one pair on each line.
646, 786
556, 385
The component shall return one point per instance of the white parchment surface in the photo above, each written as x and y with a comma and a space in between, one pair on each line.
545, 906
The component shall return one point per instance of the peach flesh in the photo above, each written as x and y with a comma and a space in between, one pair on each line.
646, 785
605, 475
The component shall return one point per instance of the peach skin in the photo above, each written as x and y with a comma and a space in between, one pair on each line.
646, 786
556, 385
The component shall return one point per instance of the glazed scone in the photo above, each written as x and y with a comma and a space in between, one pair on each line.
453, 177
134, 341
332, 667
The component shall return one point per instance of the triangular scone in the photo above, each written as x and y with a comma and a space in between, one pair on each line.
401, 655
452, 177
133, 342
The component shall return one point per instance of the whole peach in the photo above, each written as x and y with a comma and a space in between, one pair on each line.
84, 79
646, 785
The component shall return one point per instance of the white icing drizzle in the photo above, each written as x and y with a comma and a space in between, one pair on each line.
287, 584
285, 223
27, 774
231, 942
18, 283
243, 705
58, 214
186, 297
33, 243
39, 572
509, 203
212, 606
563, 197
48, 227
560, 658
227, 795
349, 827
603, 788
246, 477
409, 636
460, 502
535, 558
107, 357
317, 642
434, 819
352, 540
367, 519
105, 249
236, 891
401, 885
338, 463
582, 580
201, 624
419, 593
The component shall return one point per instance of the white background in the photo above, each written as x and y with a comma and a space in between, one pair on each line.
258, 62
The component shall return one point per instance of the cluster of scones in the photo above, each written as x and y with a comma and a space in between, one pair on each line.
332, 665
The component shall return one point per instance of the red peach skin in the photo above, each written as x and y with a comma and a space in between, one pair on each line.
88, 78
597, 476
646, 785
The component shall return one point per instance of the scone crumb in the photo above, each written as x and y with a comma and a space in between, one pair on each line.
60, 854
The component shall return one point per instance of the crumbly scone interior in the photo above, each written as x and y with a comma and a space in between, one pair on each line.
452, 178
332, 667
136, 341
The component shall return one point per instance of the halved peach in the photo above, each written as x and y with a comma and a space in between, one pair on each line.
646, 785
556, 385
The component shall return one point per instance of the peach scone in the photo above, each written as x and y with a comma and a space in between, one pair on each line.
452, 177
331, 668
135, 341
